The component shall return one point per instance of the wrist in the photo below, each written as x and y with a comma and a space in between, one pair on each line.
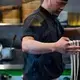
54, 47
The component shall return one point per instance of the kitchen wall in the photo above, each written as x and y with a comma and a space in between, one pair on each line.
10, 2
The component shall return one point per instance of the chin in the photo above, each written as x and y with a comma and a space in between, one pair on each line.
58, 12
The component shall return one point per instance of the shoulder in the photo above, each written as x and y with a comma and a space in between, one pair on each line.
34, 19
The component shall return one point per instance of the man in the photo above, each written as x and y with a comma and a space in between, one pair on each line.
42, 42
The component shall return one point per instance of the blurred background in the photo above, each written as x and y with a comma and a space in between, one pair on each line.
12, 16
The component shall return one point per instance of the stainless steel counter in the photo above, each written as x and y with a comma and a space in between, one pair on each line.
10, 66
2, 24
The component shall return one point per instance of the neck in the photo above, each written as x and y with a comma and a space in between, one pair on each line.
46, 6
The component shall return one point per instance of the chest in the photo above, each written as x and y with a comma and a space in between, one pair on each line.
53, 31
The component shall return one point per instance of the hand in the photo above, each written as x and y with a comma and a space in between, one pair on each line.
74, 46
64, 45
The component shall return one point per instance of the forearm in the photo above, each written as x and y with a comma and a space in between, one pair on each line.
36, 47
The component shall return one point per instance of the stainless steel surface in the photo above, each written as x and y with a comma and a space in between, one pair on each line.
67, 66
10, 66
2, 24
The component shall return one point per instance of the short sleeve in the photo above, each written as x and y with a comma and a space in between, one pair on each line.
33, 27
